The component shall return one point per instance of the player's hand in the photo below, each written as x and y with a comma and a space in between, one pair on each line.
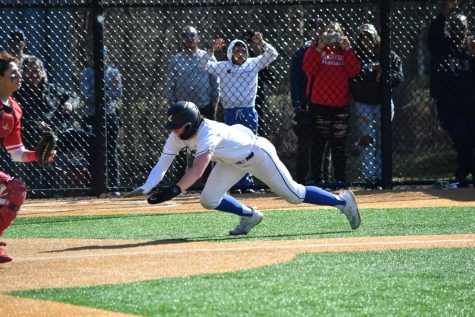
136, 192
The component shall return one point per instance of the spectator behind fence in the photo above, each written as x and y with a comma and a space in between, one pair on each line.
264, 80
366, 108
113, 94
302, 123
48, 107
331, 63
13, 192
186, 80
452, 84
17, 44
239, 84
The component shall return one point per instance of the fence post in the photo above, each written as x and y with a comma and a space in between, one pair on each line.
99, 87
386, 125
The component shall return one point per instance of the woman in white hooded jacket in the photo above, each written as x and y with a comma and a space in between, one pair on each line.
238, 80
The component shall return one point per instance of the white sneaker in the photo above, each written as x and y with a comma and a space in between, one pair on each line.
350, 209
247, 223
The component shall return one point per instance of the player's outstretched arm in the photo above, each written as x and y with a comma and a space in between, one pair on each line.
196, 171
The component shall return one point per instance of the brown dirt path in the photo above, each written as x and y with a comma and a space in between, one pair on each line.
41, 263
190, 203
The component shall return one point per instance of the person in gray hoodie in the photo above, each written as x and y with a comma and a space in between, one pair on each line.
238, 77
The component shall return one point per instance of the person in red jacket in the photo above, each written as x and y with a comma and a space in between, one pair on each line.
331, 63
12, 191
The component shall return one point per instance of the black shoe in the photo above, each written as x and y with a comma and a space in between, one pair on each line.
236, 191
248, 191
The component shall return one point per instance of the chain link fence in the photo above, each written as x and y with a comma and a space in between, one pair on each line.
109, 141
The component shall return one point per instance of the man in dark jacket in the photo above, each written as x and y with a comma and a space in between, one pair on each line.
48, 107
366, 108
452, 84
302, 120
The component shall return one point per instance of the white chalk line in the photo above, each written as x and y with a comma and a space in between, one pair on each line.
246, 248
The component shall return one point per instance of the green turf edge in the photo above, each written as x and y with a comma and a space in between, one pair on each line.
278, 224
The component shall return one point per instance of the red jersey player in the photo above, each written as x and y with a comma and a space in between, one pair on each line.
12, 191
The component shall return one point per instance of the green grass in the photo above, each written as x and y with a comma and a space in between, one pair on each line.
425, 282
214, 226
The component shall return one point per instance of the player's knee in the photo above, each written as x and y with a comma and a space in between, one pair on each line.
296, 195
293, 200
16, 191
209, 202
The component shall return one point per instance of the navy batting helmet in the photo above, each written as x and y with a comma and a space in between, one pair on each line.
184, 114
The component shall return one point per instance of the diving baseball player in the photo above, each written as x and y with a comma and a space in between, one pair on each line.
236, 151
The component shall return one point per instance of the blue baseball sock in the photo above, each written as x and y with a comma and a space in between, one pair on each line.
317, 196
232, 205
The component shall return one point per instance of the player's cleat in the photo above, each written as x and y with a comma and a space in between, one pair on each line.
247, 223
4, 258
350, 209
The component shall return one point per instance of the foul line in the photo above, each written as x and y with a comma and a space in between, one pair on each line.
250, 248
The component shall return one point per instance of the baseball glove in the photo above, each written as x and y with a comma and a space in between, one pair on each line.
164, 193
45, 150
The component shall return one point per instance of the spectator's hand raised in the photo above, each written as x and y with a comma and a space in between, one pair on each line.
323, 41
345, 43
217, 45
449, 6
67, 108
379, 72
257, 38
471, 45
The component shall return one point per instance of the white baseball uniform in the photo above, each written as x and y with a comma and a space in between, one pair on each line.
236, 151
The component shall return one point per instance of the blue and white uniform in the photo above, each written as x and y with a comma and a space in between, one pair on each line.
236, 151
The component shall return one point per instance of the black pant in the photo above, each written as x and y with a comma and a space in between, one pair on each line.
461, 130
330, 130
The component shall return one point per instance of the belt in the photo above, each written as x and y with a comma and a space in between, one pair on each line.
250, 156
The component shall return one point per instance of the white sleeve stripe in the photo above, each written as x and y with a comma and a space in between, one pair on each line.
13, 147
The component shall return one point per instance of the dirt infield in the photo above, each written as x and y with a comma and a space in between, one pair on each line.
45, 263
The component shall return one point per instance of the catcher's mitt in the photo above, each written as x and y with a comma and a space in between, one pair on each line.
45, 150
164, 193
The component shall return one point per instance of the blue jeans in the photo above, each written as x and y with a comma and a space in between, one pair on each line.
247, 117
368, 124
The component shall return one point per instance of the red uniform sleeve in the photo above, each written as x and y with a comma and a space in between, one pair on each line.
13, 141
311, 61
352, 64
